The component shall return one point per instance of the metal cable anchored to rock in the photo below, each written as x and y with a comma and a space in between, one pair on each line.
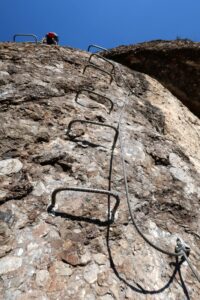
182, 250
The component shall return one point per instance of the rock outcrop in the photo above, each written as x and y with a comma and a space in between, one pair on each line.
75, 251
176, 64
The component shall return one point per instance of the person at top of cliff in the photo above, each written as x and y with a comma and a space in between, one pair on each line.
51, 38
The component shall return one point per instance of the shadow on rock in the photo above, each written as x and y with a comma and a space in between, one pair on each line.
138, 287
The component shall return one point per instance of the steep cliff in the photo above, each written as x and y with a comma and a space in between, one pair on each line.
83, 245
176, 64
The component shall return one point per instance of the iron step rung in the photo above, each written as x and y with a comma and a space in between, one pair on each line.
22, 34
94, 93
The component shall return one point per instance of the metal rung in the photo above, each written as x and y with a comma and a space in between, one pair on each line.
94, 93
86, 190
94, 123
98, 68
97, 47
21, 34
103, 58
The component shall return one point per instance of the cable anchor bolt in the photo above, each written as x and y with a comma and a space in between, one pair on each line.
181, 246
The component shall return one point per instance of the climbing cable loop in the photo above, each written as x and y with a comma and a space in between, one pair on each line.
181, 250
22, 34
176, 254
96, 94
129, 205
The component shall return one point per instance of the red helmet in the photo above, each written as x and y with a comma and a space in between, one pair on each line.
52, 34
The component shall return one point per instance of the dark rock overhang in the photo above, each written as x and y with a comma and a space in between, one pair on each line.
176, 64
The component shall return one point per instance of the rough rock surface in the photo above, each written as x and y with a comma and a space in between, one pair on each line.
73, 253
176, 64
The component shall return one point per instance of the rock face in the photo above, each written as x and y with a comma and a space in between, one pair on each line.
73, 251
176, 64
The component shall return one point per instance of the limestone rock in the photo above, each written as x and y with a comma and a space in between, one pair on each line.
100, 258
42, 278
59, 244
9, 166
70, 258
61, 268
10, 264
91, 272
5, 239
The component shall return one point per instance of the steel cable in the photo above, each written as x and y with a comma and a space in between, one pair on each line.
181, 252
85, 190
126, 183
191, 266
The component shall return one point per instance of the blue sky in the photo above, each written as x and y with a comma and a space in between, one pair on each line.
105, 22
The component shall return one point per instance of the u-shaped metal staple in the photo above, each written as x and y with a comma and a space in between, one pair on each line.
103, 58
85, 190
22, 34
98, 68
94, 123
94, 93
97, 47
